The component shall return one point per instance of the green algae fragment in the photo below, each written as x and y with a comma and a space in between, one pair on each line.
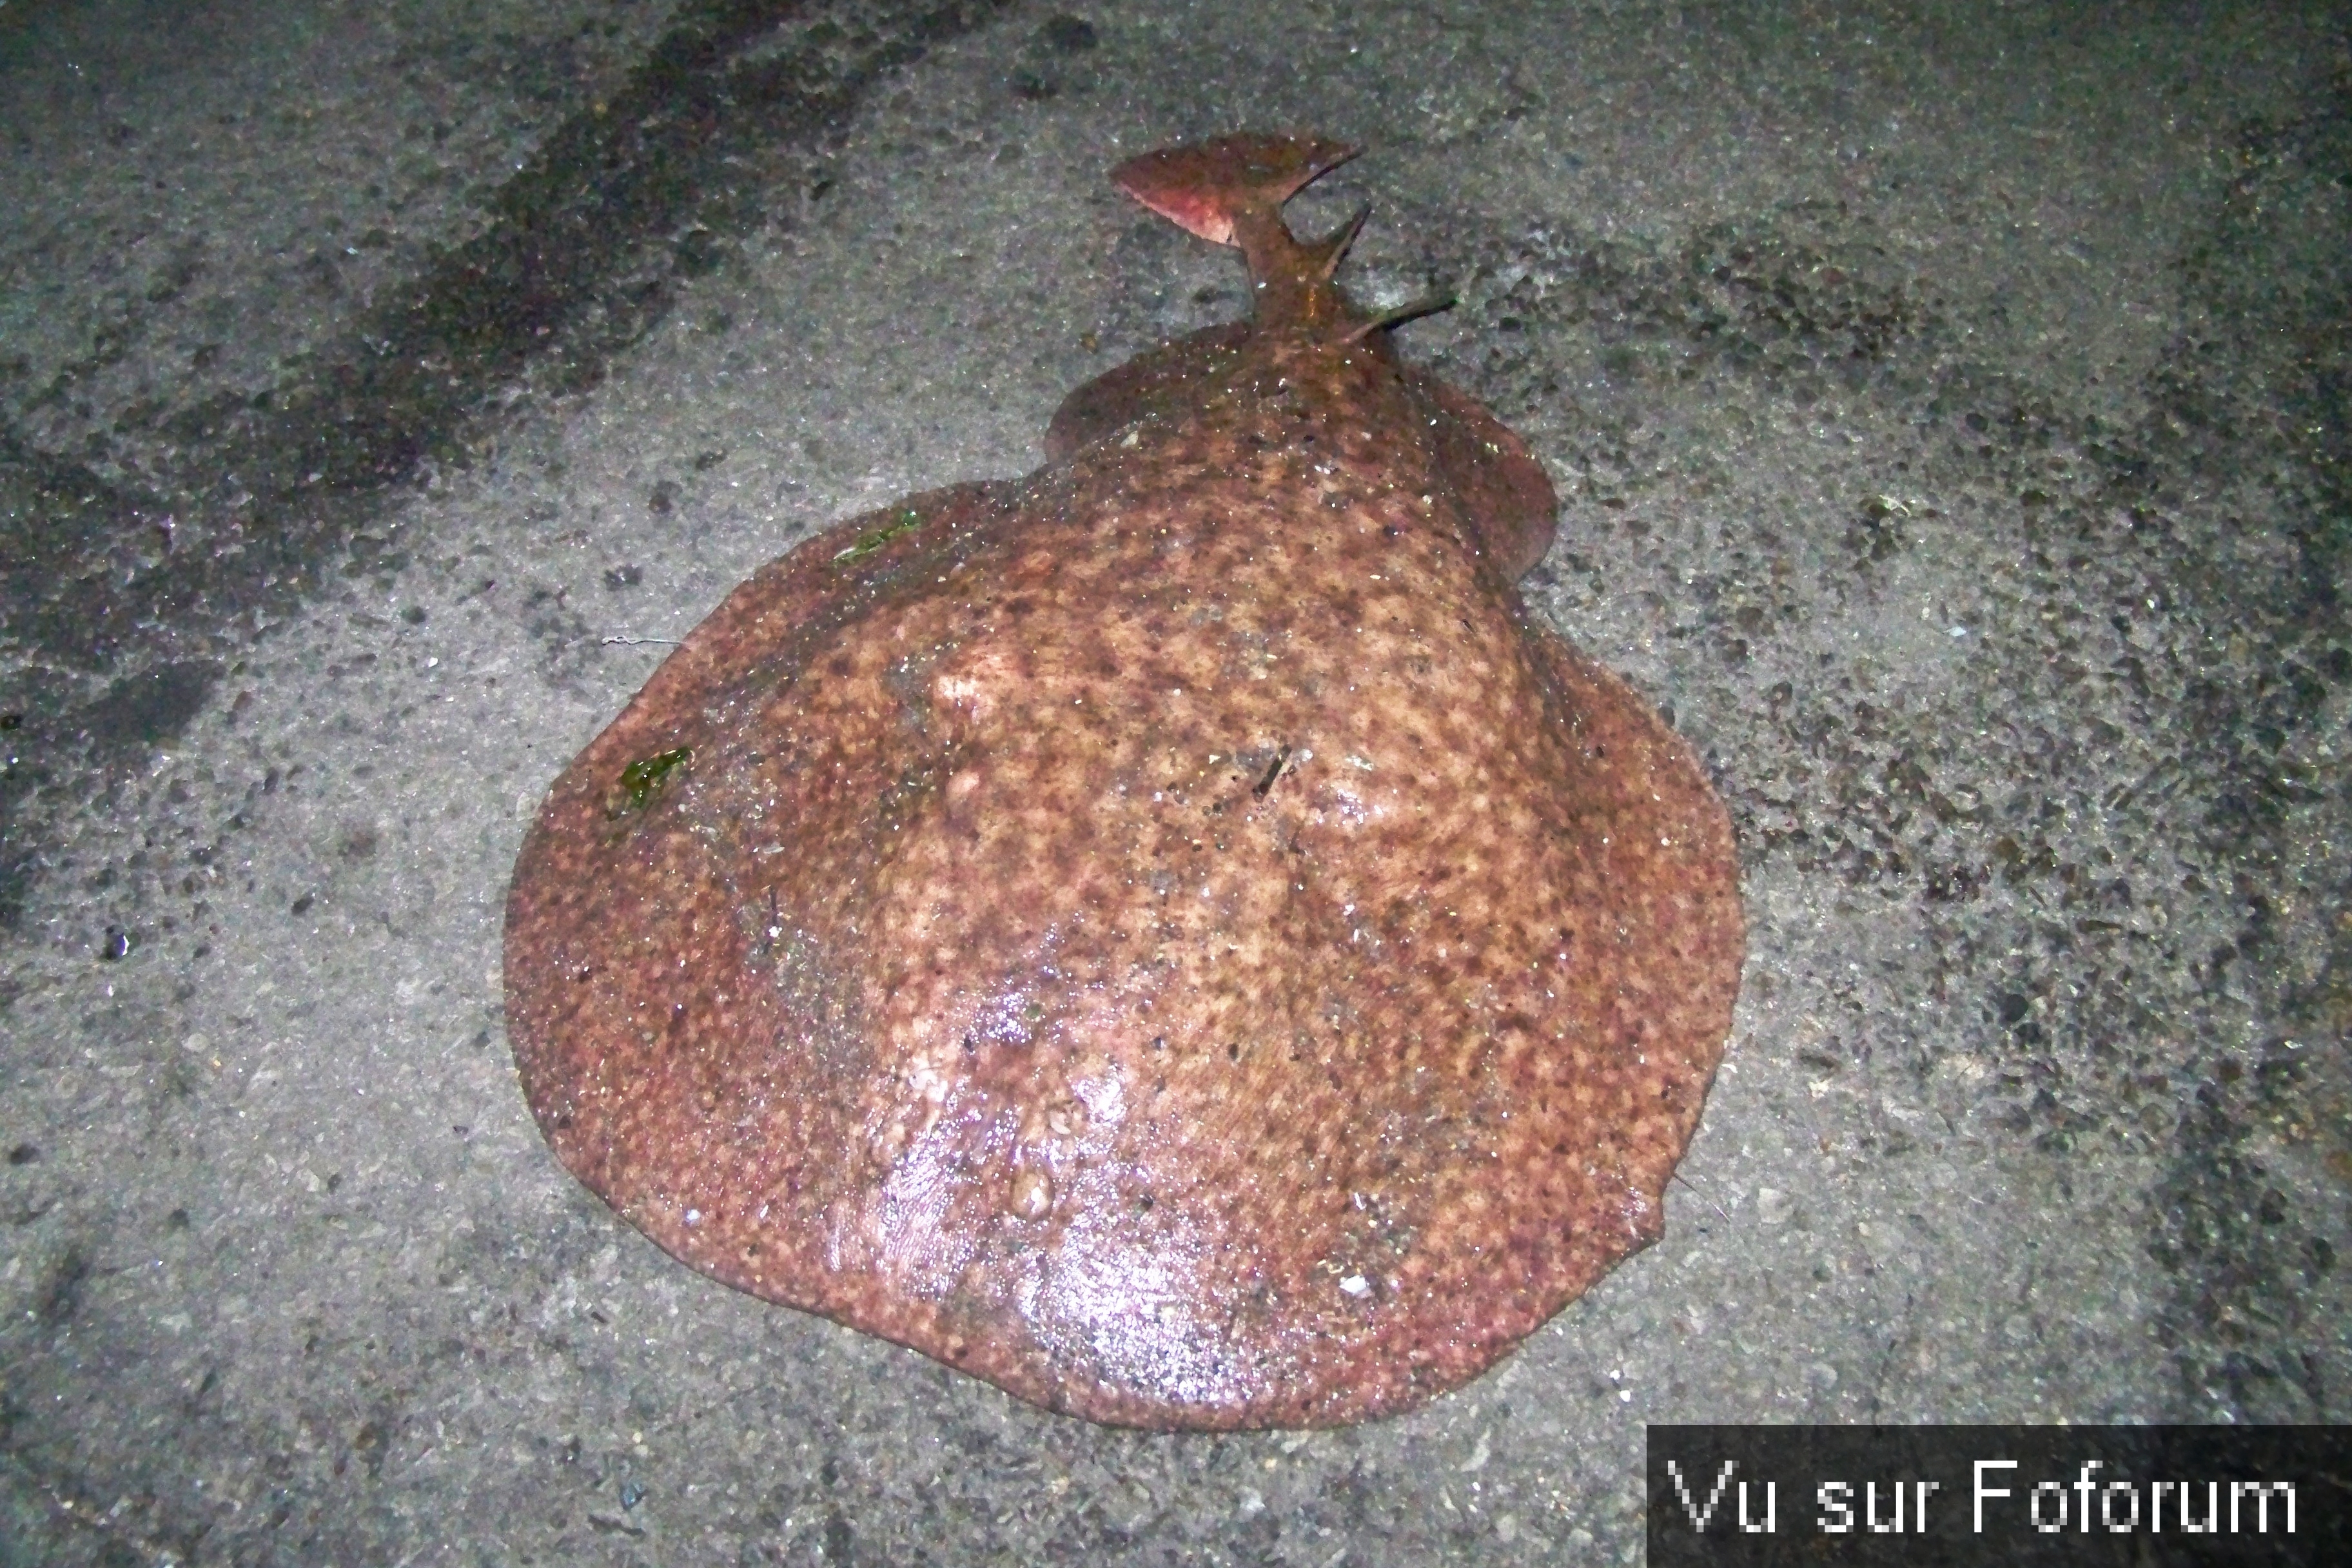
868, 543
643, 777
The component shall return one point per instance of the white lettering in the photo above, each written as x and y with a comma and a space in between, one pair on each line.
1699, 1517
1984, 1491
2085, 1486
2263, 1492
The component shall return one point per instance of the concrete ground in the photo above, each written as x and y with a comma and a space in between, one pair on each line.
1950, 404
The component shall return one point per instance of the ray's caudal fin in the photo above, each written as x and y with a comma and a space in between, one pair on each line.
1230, 191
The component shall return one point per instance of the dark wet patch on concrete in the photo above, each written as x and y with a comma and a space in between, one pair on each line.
2248, 1262
61, 1293
2245, 1237
149, 708
580, 256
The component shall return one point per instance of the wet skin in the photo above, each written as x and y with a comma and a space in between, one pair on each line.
1167, 934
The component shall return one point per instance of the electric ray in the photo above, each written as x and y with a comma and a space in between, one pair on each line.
1169, 935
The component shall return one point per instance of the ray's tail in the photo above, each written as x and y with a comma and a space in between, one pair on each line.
1230, 191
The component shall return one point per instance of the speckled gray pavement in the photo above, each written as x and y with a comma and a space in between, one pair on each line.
1950, 404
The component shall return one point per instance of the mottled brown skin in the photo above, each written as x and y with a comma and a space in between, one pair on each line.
1167, 935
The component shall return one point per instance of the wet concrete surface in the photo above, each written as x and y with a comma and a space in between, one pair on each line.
1950, 408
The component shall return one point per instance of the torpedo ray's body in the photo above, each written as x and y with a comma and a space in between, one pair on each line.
1168, 935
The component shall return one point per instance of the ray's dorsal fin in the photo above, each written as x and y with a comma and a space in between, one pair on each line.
1411, 310
1326, 254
